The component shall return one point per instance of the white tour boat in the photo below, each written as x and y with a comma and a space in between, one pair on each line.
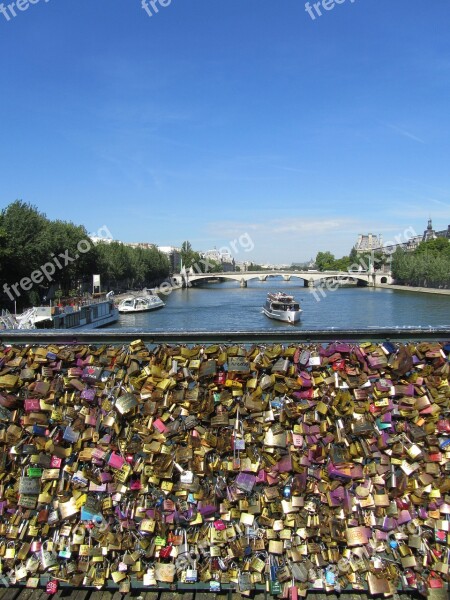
140, 304
81, 314
282, 307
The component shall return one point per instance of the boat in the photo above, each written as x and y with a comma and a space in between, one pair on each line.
135, 304
87, 314
80, 314
282, 307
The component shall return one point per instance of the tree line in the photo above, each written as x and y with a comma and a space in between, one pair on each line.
427, 266
326, 261
32, 243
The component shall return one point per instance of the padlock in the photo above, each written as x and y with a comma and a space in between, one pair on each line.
192, 574
51, 587
10, 551
149, 578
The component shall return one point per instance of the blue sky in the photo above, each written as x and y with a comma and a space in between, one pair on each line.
214, 118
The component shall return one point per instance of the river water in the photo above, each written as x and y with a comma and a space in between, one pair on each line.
228, 307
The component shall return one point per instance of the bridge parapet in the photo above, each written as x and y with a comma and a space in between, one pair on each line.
310, 278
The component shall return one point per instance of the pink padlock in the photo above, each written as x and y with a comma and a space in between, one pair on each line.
52, 586
293, 592
159, 425
32, 405
116, 461
55, 462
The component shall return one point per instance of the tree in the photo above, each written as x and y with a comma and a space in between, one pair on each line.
325, 261
188, 256
26, 240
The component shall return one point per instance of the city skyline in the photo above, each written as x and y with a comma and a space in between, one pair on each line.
409, 239
228, 119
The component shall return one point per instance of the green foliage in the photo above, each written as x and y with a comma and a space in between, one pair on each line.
28, 240
188, 257
123, 266
437, 247
325, 261
192, 259
427, 266
25, 240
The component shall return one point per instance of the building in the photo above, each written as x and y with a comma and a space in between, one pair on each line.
222, 258
413, 242
101, 240
408, 246
431, 234
144, 245
368, 243
174, 256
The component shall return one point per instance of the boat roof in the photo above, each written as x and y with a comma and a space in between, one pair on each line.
139, 298
280, 296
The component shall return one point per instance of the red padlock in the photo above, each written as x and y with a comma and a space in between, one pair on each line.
339, 365
443, 426
220, 378
410, 577
52, 587
434, 580
165, 552
402, 503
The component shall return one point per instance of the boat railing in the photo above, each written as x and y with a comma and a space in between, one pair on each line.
77, 303
7, 320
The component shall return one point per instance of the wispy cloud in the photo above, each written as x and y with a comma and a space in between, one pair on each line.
404, 133
278, 229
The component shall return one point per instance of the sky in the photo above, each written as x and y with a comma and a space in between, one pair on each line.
219, 121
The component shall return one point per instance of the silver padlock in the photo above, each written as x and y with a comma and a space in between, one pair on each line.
191, 574
48, 559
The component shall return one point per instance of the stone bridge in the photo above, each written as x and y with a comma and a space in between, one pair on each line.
310, 278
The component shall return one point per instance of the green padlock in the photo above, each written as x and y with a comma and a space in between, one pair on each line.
275, 588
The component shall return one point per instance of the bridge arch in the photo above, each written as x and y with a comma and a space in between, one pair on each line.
310, 278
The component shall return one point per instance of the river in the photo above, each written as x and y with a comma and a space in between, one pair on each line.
228, 307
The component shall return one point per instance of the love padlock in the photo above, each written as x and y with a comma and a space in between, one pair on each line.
52, 587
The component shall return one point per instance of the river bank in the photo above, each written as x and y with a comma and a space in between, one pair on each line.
407, 288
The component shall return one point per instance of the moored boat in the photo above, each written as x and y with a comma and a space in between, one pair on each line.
140, 304
90, 314
282, 307
81, 314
